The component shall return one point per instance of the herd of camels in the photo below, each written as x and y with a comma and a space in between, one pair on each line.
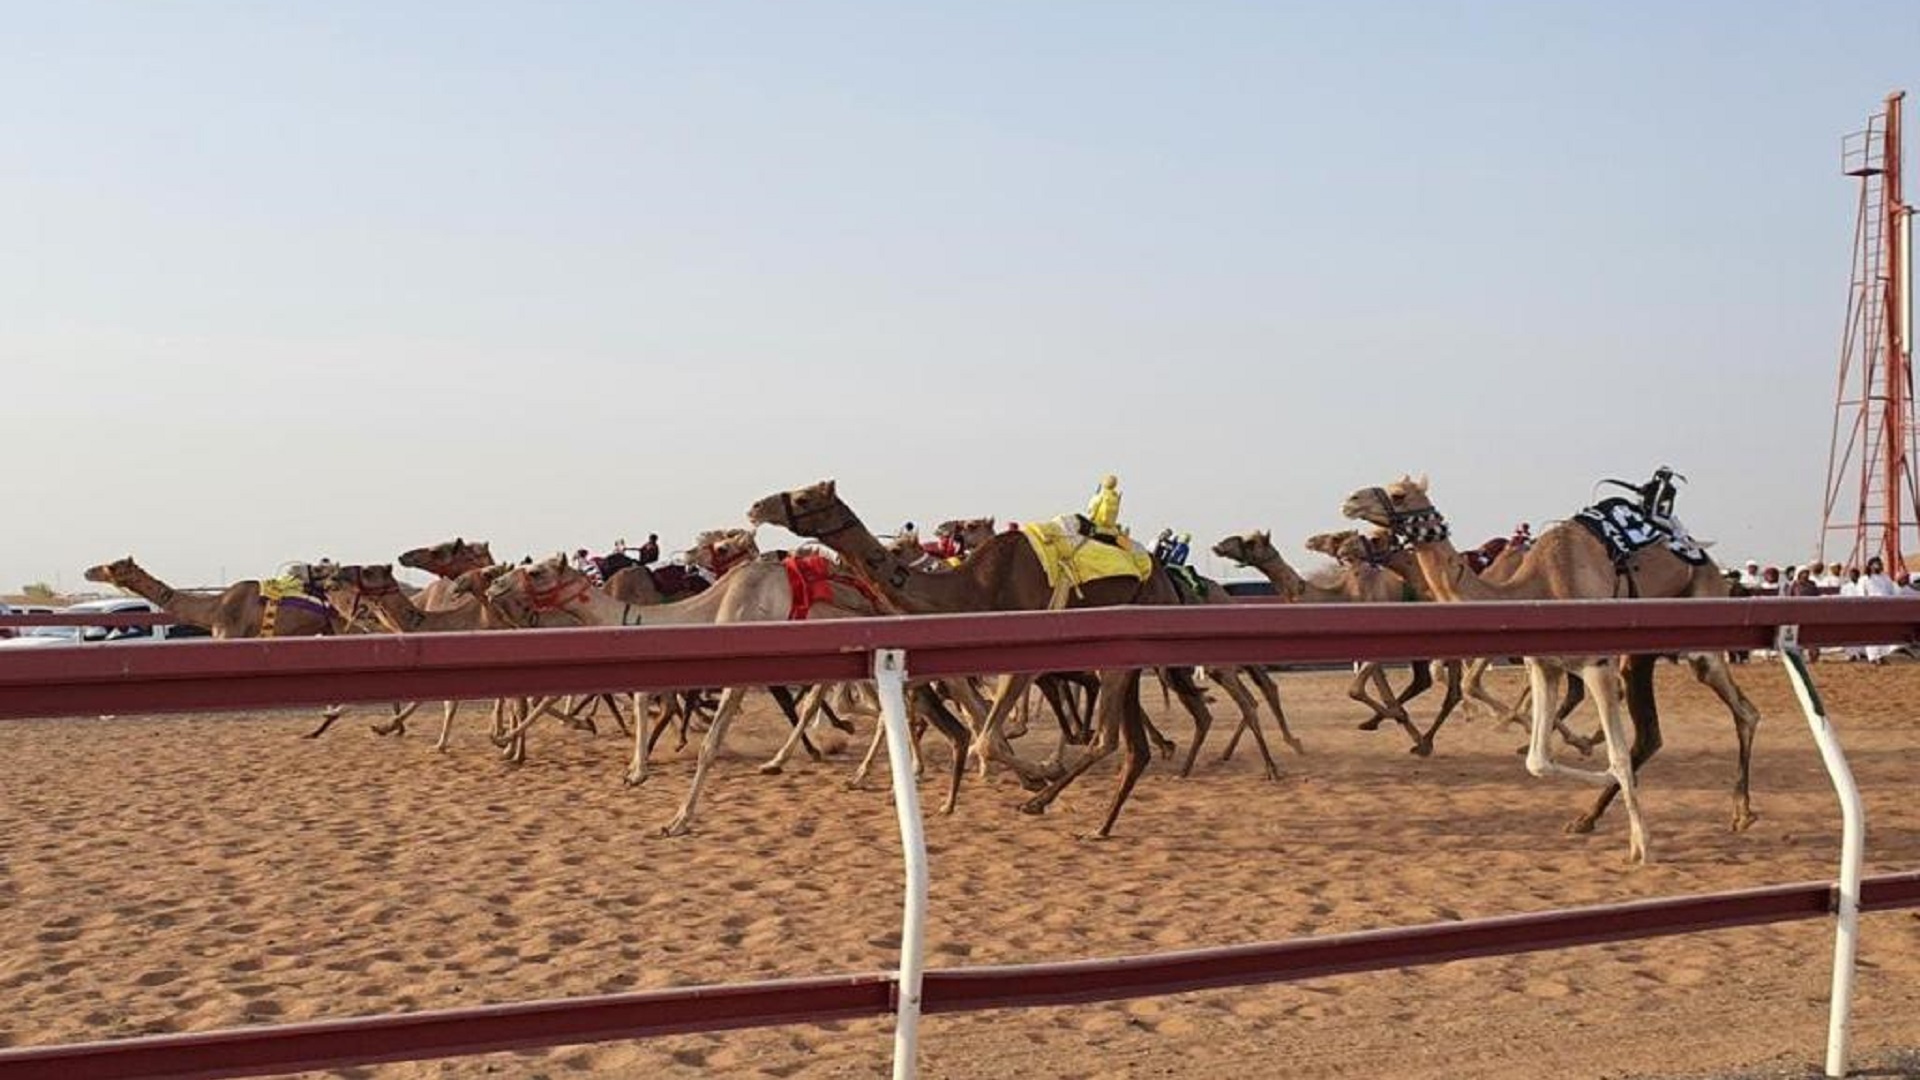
1409, 557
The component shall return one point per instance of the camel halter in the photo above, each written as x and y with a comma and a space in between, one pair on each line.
836, 518
1413, 526
722, 565
558, 597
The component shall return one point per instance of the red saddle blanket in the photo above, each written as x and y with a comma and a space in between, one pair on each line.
812, 578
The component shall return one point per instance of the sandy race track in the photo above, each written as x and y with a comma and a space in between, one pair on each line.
187, 873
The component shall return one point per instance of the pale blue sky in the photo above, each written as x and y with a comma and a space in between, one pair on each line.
279, 281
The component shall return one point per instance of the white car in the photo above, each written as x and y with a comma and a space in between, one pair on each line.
32, 637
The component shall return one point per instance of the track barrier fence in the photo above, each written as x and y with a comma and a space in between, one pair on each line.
88, 680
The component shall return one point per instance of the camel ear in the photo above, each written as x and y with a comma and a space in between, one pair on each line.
831, 489
458, 542
1422, 482
1265, 536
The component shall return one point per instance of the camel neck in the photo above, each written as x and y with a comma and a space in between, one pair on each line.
1288, 583
918, 592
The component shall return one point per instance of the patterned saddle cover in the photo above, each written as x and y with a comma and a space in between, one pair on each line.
1187, 581
1072, 560
1625, 529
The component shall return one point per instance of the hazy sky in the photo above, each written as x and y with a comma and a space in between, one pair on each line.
285, 280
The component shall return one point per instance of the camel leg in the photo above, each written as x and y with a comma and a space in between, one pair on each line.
1229, 684
1603, 686
398, 724
1106, 739
447, 709
956, 732
1134, 732
1271, 691
709, 749
643, 739
992, 741
1643, 711
866, 763
1370, 673
1424, 747
1504, 712
1712, 670
327, 717
810, 703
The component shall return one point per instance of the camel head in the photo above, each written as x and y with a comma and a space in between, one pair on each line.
475, 582
720, 550
118, 572
813, 511
524, 593
1402, 508
969, 533
1247, 548
449, 559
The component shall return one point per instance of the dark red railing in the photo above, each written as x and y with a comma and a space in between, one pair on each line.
85, 680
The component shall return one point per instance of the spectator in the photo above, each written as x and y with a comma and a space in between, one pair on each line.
5, 631
1803, 584
1877, 583
1750, 577
1770, 583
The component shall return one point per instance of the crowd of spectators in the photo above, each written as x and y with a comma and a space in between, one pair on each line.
1830, 580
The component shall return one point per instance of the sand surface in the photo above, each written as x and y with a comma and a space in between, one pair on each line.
187, 873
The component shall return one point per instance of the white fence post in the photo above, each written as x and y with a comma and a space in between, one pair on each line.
890, 676
1853, 837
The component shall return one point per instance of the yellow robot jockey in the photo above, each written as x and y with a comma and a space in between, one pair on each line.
1103, 510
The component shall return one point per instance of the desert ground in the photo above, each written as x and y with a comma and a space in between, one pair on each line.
194, 872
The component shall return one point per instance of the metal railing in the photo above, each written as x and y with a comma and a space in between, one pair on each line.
245, 674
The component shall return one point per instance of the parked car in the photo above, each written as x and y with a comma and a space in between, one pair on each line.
38, 636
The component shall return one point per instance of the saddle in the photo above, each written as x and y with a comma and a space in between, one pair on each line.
1626, 529
675, 582
812, 578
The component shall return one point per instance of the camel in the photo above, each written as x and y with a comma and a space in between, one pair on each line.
1004, 574
353, 588
756, 591
446, 561
1382, 549
1364, 583
238, 611
1567, 562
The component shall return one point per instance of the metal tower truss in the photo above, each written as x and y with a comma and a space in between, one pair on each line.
1871, 494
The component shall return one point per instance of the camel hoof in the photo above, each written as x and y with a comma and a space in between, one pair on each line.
1094, 837
855, 785
1167, 751
1371, 725
1273, 775
1298, 746
630, 780
1742, 821
1422, 748
1034, 783
672, 829
771, 769
1580, 826
1033, 806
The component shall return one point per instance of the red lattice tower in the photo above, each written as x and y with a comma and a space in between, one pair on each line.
1871, 494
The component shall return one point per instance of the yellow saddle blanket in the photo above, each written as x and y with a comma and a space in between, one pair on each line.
281, 588
1071, 560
